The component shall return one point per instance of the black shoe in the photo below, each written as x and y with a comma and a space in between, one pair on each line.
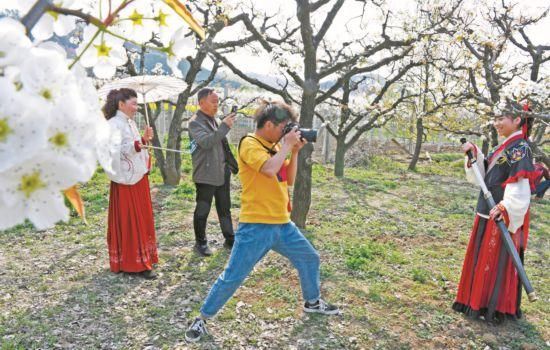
148, 275
203, 249
196, 330
229, 243
321, 307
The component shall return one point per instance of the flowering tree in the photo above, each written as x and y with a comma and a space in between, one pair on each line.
52, 131
313, 60
496, 43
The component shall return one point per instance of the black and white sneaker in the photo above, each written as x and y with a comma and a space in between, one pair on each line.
321, 307
196, 330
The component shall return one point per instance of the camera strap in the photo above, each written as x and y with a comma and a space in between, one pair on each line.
269, 150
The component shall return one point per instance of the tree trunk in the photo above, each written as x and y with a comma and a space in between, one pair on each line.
302, 188
494, 136
339, 157
418, 144
172, 168
485, 146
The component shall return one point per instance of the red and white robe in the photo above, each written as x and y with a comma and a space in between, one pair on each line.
131, 235
489, 285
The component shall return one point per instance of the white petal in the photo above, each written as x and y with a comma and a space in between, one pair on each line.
11, 215
50, 45
64, 25
13, 41
27, 126
43, 29
104, 69
46, 209
118, 56
89, 58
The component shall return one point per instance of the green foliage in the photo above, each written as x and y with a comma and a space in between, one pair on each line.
420, 275
366, 256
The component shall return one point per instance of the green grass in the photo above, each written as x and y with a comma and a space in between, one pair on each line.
391, 244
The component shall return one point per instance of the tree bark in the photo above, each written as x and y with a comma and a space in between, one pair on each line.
418, 144
172, 166
485, 146
339, 157
302, 188
494, 136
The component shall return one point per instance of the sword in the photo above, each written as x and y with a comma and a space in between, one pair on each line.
504, 233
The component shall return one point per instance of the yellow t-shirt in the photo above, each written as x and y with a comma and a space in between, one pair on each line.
264, 199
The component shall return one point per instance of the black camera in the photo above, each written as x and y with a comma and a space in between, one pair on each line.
307, 134
234, 109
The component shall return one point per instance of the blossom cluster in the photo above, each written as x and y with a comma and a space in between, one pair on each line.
116, 22
52, 132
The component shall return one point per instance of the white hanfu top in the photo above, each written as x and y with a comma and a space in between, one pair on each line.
130, 163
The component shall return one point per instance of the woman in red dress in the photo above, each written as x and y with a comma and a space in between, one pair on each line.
489, 286
131, 228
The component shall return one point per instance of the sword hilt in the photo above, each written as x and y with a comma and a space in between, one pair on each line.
469, 153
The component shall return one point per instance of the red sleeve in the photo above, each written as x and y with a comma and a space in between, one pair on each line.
137, 146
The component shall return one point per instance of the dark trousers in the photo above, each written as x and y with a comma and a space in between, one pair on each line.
205, 193
541, 188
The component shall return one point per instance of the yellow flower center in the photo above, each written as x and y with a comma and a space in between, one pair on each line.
31, 183
5, 129
136, 18
54, 14
103, 49
161, 18
46, 93
60, 139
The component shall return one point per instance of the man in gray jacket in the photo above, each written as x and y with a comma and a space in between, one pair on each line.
213, 163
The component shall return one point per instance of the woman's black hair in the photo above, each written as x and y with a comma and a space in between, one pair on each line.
275, 112
113, 98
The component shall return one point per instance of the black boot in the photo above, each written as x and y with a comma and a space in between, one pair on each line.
203, 249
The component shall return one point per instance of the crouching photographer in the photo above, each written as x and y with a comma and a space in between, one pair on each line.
264, 223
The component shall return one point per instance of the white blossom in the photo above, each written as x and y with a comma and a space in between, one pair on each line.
104, 54
52, 22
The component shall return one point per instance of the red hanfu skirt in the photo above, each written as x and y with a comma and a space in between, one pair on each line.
131, 229
489, 285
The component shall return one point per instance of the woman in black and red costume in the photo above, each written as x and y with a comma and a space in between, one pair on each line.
509, 175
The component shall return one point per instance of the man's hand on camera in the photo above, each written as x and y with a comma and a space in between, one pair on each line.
292, 138
229, 119
298, 146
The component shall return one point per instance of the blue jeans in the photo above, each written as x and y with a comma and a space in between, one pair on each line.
252, 242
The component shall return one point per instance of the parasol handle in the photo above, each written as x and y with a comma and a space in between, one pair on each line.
146, 112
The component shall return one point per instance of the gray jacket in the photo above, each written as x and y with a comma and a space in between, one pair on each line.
207, 149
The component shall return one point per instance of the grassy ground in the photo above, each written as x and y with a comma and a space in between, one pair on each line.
391, 244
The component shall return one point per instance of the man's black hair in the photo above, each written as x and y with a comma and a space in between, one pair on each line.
275, 112
203, 93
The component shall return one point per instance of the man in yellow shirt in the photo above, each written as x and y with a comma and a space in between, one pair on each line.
264, 223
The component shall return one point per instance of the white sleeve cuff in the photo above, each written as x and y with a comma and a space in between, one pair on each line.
517, 196
470, 176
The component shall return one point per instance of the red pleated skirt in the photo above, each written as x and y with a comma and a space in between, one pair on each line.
479, 294
131, 235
